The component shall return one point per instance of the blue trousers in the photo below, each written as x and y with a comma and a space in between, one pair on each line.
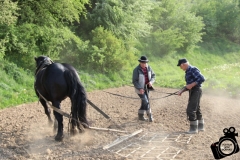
144, 104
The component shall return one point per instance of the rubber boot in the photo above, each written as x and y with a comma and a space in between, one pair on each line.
150, 118
193, 127
201, 125
141, 117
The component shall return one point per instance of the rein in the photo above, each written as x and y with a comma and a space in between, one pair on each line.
170, 94
120, 95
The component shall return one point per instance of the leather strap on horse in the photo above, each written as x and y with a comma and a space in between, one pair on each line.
47, 61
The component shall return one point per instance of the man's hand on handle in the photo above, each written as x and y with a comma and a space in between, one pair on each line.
179, 93
149, 84
141, 91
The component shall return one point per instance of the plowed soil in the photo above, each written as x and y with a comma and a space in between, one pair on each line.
25, 133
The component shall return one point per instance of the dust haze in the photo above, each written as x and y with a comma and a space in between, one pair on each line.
25, 134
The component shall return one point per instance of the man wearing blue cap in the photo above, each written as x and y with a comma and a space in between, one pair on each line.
143, 76
194, 80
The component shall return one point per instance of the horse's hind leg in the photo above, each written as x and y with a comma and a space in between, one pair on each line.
74, 123
47, 111
59, 118
80, 127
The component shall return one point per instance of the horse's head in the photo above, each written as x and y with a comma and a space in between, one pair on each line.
42, 60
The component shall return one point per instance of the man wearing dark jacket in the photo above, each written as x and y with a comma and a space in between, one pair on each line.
194, 80
143, 76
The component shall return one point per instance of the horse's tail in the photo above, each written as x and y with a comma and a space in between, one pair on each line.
77, 95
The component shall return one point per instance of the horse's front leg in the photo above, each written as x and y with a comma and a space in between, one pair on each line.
59, 117
47, 111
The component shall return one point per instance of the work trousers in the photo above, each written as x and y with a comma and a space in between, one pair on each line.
193, 107
145, 107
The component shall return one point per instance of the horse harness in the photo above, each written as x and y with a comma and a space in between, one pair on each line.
43, 65
46, 62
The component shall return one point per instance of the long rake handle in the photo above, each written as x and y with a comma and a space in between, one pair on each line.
68, 116
107, 129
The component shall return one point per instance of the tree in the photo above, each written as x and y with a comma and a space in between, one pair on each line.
126, 19
221, 17
42, 29
8, 14
106, 52
51, 13
174, 27
8, 17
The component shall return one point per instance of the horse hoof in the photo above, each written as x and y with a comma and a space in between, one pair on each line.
81, 130
73, 132
50, 123
59, 138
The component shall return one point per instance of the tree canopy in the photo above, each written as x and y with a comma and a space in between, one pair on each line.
103, 32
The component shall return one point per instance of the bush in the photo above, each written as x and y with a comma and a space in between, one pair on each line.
106, 52
13, 71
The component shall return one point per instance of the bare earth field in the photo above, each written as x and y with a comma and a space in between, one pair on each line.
25, 134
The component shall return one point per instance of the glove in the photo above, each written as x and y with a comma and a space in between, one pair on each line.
150, 88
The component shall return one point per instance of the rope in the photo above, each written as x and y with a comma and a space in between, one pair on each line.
170, 94
120, 95
154, 90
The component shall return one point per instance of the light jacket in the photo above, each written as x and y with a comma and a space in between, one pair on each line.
138, 78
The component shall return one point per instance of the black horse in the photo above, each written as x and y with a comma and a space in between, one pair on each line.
55, 82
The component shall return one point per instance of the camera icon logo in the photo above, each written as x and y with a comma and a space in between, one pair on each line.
227, 145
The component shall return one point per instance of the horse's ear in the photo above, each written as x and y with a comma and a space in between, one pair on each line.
35, 58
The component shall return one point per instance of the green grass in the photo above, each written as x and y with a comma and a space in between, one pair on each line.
100, 81
218, 62
16, 86
220, 66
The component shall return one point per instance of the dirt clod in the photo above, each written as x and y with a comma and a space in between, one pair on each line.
25, 133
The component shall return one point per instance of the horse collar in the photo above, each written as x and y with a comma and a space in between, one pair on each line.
43, 65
